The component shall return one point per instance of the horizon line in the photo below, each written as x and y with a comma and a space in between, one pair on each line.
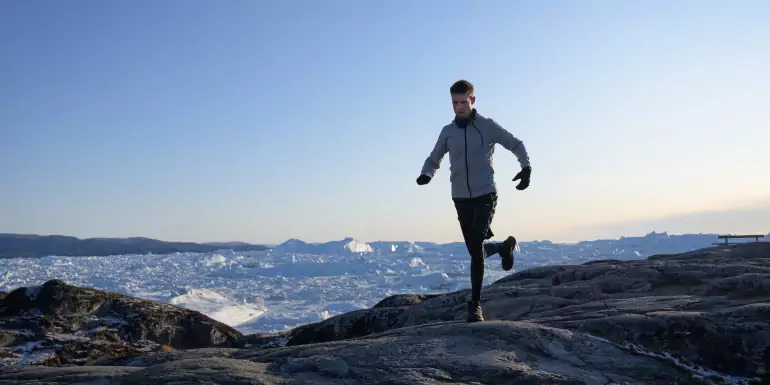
353, 238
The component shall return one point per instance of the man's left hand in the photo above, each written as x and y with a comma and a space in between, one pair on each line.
523, 175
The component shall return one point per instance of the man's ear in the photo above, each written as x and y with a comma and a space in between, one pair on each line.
473, 99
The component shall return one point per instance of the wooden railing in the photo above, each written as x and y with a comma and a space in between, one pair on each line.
731, 236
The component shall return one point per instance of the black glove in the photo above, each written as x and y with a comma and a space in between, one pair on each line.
524, 176
423, 179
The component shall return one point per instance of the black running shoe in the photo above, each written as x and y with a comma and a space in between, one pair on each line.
506, 253
474, 312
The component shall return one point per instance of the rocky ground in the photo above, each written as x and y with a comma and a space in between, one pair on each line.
59, 324
694, 318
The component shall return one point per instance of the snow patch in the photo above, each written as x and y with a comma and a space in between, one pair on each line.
33, 353
216, 306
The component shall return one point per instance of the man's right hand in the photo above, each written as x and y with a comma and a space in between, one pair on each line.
423, 179
523, 176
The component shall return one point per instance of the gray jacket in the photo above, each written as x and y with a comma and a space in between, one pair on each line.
471, 151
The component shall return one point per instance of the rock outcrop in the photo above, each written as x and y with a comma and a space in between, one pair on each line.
60, 324
709, 307
701, 317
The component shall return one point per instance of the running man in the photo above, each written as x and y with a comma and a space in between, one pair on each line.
470, 141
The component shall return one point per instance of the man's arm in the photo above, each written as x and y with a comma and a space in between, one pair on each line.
510, 142
433, 162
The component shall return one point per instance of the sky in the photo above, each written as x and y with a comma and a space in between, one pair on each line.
265, 120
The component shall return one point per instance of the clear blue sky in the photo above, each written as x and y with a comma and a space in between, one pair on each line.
264, 120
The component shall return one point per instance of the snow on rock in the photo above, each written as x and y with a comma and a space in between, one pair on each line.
33, 352
697, 370
216, 306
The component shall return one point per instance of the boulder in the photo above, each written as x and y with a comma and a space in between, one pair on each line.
57, 324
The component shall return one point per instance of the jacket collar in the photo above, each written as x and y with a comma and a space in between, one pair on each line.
463, 122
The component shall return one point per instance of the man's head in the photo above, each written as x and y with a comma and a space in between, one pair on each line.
462, 98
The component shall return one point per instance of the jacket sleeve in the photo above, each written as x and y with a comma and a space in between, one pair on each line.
433, 162
511, 143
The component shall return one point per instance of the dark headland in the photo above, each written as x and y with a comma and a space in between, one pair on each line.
31, 245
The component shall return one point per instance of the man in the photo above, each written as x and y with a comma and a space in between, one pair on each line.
470, 141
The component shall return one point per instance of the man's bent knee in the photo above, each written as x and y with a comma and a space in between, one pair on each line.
476, 248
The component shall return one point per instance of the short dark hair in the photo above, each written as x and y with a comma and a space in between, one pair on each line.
461, 87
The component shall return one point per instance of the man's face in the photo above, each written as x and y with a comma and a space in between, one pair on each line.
463, 104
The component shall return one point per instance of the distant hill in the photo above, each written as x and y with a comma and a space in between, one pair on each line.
29, 245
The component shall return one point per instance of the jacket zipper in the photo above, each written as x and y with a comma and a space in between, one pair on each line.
467, 170
479, 131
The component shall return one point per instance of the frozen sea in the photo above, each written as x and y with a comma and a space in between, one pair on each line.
298, 283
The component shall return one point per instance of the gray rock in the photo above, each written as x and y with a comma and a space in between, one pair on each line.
400, 300
222, 371
58, 324
82, 375
440, 353
708, 306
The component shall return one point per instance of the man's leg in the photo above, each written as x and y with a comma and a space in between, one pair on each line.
505, 248
483, 213
491, 248
465, 215
475, 217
